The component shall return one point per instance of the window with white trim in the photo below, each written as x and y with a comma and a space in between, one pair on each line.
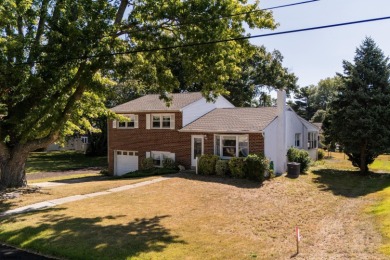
227, 146
163, 121
158, 157
312, 140
297, 140
84, 139
133, 123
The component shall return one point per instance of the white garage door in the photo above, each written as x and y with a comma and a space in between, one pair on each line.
125, 161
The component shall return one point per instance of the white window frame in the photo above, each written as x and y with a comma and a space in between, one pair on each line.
161, 155
133, 119
298, 140
84, 139
220, 145
161, 121
312, 140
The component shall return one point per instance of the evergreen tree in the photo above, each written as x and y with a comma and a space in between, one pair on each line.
359, 117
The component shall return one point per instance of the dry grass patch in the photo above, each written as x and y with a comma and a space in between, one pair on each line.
85, 186
190, 217
205, 217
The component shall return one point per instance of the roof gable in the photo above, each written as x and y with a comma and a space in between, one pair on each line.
247, 119
154, 103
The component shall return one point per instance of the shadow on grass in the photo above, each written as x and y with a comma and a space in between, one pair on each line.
83, 179
108, 237
62, 161
350, 183
239, 183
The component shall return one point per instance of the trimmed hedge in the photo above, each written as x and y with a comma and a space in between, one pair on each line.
147, 163
256, 166
206, 164
320, 154
222, 167
237, 167
168, 163
299, 156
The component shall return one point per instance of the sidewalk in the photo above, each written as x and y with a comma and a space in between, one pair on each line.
56, 202
8, 252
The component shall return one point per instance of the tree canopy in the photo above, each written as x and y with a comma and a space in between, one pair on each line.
57, 57
260, 72
359, 116
311, 101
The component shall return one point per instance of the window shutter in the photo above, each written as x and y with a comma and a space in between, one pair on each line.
113, 123
136, 121
173, 121
147, 121
147, 154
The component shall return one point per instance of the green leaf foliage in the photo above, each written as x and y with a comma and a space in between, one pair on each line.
312, 102
59, 58
237, 167
256, 166
222, 167
359, 117
261, 71
299, 156
206, 164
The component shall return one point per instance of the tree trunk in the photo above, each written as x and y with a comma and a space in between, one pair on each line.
12, 171
363, 158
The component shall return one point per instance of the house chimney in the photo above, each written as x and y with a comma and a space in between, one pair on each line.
281, 163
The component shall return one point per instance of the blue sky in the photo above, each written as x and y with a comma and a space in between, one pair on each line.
315, 55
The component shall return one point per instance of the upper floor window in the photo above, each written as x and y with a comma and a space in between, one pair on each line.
165, 121
133, 123
312, 140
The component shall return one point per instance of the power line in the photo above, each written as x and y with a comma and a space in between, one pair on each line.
225, 16
249, 12
212, 19
212, 42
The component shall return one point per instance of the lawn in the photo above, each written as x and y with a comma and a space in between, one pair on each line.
62, 161
206, 217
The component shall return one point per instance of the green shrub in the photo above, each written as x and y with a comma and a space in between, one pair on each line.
206, 164
256, 167
222, 167
168, 163
299, 156
320, 154
237, 167
147, 163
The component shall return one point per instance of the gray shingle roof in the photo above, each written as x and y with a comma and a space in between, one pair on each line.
153, 103
233, 120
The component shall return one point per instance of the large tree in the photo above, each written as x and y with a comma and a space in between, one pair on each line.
57, 57
359, 117
260, 72
311, 102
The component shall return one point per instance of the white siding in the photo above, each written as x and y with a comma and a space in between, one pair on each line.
270, 142
202, 107
294, 125
222, 102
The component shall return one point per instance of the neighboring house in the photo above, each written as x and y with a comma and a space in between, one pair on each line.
191, 127
76, 143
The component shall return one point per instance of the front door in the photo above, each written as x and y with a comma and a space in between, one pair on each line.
197, 148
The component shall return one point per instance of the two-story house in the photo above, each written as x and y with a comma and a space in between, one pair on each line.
191, 127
